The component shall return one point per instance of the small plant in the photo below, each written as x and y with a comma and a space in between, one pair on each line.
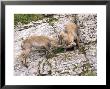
52, 20
58, 50
82, 49
87, 71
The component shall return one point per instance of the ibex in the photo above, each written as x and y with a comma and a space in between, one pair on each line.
69, 35
36, 42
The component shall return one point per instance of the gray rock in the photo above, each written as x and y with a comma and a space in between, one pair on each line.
71, 63
87, 27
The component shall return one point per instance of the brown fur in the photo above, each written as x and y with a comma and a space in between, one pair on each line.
69, 35
38, 42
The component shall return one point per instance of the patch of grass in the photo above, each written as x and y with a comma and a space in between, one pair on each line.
82, 49
58, 50
90, 73
52, 20
26, 18
87, 71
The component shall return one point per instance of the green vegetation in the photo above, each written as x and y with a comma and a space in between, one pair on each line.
51, 21
82, 49
87, 71
58, 50
26, 18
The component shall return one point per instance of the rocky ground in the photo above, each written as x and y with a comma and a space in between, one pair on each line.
78, 62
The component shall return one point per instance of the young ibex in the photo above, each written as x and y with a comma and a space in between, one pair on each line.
38, 42
69, 35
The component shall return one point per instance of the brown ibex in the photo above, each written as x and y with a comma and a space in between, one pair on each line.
38, 42
69, 35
